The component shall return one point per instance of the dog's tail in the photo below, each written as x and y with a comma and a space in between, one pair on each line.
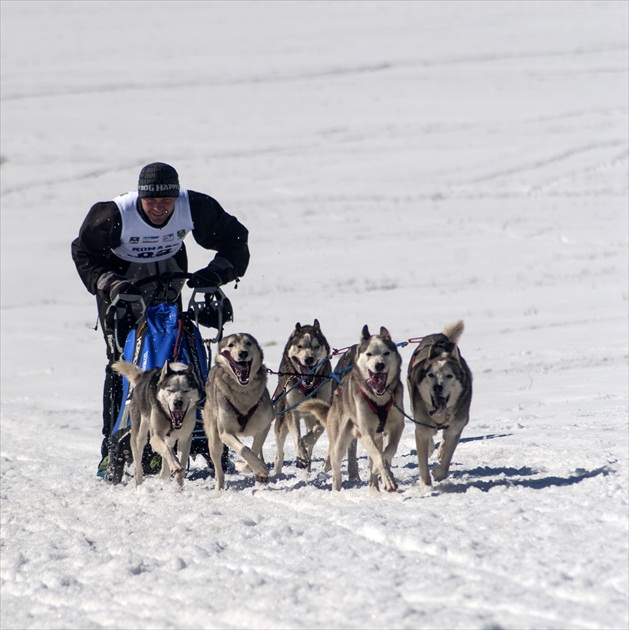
130, 370
454, 331
317, 408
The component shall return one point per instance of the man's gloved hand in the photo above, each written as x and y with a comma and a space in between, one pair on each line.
123, 287
110, 286
206, 277
219, 271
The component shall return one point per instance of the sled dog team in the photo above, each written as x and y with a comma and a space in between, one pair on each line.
361, 401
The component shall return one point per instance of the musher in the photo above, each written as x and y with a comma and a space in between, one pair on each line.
141, 234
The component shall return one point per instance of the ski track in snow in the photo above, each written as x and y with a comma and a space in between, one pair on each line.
403, 164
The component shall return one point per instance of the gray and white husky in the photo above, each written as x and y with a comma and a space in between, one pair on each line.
238, 404
304, 373
440, 391
368, 405
163, 406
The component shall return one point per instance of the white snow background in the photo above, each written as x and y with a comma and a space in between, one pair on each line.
404, 164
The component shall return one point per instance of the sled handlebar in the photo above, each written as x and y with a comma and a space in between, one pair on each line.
201, 297
167, 277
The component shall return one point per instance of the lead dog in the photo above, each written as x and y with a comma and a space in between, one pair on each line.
163, 405
440, 391
367, 405
304, 373
238, 404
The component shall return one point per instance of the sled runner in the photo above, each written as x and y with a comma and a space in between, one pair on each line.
163, 333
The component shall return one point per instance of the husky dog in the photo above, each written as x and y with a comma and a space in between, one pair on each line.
440, 391
304, 373
367, 405
163, 405
238, 404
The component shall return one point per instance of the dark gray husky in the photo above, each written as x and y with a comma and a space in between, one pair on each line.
304, 373
440, 391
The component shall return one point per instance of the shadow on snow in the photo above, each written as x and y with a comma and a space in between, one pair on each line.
516, 477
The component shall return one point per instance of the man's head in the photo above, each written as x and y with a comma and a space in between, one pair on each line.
158, 180
158, 189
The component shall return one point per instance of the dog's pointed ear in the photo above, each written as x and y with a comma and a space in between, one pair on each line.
165, 370
316, 325
365, 332
384, 333
297, 326
455, 354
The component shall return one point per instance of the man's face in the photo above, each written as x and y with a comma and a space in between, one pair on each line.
158, 209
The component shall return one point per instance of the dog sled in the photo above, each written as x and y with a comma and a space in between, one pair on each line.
164, 332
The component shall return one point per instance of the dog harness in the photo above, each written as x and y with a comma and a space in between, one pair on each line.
382, 411
306, 389
242, 418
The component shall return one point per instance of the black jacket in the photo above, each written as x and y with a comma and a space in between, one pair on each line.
214, 229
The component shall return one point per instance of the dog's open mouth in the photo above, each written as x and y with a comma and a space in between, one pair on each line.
304, 369
177, 417
439, 405
377, 382
242, 369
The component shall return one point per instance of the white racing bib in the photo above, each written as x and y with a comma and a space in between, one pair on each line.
141, 242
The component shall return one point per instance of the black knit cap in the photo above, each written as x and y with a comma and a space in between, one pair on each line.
158, 180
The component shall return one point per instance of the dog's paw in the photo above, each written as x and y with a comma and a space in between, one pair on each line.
389, 485
262, 479
439, 473
302, 463
388, 482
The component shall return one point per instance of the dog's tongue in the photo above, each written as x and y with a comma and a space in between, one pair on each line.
439, 404
377, 381
241, 369
304, 369
177, 416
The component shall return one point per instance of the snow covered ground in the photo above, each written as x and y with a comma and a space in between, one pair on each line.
403, 164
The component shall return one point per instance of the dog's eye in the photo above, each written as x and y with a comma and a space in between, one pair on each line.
387, 353
299, 346
449, 375
369, 354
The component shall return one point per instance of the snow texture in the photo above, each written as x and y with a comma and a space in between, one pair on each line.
404, 164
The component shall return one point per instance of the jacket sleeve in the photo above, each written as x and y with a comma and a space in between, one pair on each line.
92, 249
217, 230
